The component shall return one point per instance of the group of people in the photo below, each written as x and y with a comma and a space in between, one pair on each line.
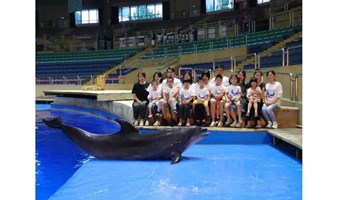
220, 101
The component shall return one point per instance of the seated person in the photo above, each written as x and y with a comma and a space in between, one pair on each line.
186, 96
170, 93
201, 97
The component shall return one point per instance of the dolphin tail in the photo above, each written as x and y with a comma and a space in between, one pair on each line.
53, 123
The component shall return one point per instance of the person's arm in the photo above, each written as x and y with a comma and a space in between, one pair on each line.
135, 98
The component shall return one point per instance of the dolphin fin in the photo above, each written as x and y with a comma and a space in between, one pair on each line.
126, 127
175, 158
53, 123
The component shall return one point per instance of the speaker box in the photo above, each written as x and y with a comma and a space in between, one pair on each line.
166, 10
203, 7
72, 19
115, 15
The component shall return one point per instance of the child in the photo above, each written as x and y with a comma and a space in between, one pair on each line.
185, 97
232, 99
217, 92
170, 93
254, 95
202, 97
153, 98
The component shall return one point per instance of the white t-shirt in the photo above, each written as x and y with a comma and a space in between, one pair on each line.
159, 88
253, 93
225, 81
234, 91
169, 91
217, 90
186, 93
274, 90
177, 83
154, 94
201, 93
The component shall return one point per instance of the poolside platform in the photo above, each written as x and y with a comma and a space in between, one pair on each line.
104, 95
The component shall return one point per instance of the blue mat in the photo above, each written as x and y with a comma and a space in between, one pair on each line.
208, 171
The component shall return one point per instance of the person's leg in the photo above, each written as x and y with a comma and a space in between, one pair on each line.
206, 106
271, 114
255, 105
239, 113
154, 111
143, 112
150, 105
266, 116
213, 111
249, 108
221, 116
227, 112
233, 114
136, 113
180, 114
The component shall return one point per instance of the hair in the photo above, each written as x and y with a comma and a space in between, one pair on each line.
154, 81
200, 79
172, 69
273, 72
253, 79
219, 66
190, 79
243, 72
141, 73
207, 73
159, 74
233, 75
219, 76
258, 71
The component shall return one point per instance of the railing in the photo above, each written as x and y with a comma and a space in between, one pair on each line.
75, 80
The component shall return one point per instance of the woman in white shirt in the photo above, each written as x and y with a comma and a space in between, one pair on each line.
272, 99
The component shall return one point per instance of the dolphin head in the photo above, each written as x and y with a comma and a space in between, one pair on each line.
188, 136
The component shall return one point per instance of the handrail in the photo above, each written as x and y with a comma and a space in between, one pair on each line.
292, 79
296, 86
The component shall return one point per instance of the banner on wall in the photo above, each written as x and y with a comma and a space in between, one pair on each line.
140, 40
122, 42
211, 33
74, 5
131, 41
223, 31
201, 34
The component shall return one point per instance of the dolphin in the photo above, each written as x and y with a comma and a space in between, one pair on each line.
130, 144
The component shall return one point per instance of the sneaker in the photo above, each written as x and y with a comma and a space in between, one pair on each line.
258, 126
150, 115
233, 124
141, 122
179, 124
135, 123
238, 125
274, 125
228, 122
269, 125
213, 124
248, 125
147, 123
220, 124
247, 115
157, 123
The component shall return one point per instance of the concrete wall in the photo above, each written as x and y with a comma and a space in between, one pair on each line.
122, 109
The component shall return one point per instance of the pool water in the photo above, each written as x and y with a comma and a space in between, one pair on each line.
225, 165
57, 158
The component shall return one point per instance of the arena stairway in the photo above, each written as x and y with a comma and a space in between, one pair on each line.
277, 46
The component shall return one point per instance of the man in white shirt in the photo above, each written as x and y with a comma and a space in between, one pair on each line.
220, 70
